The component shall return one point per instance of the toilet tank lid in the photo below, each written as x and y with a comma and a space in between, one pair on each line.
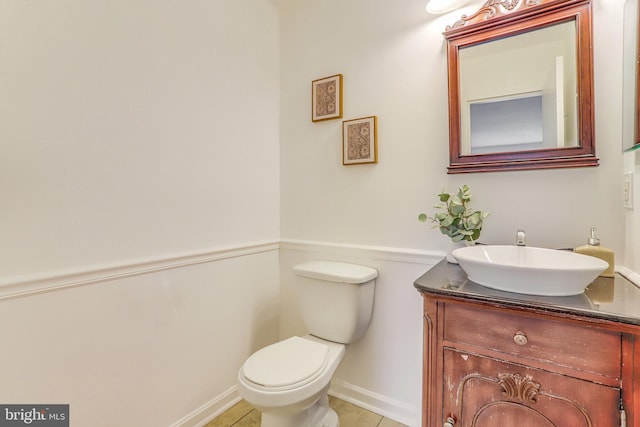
334, 271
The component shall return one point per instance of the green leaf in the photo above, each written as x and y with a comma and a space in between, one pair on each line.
455, 218
457, 209
447, 221
474, 220
441, 216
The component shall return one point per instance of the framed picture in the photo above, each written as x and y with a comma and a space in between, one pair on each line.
326, 98
360, 141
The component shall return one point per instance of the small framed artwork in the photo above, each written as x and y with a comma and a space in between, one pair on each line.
360, 141
326, 98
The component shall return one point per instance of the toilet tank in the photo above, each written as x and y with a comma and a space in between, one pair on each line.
335, 298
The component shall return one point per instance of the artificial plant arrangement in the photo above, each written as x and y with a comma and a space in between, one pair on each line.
456, 219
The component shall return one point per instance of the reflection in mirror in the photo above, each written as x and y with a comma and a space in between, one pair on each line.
521, 87
630, 76
506, 123
531, 103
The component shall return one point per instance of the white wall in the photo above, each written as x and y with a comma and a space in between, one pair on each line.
146, 350
632, 219
394, 65
139, 163
393, 60
135, 128
631, 159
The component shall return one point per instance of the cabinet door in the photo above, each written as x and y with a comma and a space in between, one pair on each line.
485, 392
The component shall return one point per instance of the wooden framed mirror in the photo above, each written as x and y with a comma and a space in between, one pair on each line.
521, 87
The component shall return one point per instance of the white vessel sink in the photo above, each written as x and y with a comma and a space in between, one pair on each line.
529, 270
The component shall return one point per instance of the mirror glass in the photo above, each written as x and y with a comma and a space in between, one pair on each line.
630, 123
521, 87
527, 96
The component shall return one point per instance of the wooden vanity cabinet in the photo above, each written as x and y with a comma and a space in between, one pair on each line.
491, 363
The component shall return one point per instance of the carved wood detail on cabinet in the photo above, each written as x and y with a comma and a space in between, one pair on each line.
488, 392
491, 365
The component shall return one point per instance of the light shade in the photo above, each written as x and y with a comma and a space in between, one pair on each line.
437, 7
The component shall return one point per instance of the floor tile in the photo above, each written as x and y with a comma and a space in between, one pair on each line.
230, 416
386, 422
352, 415
243, 415
252, 419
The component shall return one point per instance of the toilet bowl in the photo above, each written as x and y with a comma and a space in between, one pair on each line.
288, 381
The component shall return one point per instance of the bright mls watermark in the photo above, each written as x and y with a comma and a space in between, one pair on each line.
34, 415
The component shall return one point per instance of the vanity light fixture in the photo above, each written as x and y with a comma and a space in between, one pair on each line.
437, 7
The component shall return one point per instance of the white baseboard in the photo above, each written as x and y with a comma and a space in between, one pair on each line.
374, 402
199, 417
382, 405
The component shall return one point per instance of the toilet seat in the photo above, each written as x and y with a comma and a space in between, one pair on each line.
287, 364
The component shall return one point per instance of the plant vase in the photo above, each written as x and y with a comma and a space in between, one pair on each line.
453, 246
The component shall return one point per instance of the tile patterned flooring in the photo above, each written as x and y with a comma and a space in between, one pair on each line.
243, 415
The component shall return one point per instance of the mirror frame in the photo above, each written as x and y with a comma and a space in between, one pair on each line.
497, 19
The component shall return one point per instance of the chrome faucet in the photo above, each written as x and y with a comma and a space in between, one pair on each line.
520, 238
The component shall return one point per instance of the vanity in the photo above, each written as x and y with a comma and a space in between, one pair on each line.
520, 76
495, 358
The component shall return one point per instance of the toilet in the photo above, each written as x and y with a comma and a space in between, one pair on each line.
288, 381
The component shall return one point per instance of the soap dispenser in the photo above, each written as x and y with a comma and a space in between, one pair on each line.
593, 248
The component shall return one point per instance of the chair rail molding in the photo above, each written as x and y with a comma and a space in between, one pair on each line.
13, 287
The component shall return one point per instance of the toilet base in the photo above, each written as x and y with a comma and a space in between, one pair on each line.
317, 415
330, 420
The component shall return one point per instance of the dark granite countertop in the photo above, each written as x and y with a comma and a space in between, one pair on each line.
615, 299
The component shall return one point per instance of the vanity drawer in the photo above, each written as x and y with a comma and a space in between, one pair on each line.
578, 347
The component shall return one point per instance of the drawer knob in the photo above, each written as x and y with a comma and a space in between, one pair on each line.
450, 421
520, 338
